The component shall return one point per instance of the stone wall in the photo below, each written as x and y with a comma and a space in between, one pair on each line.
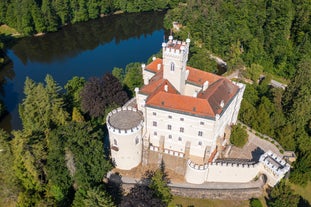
236, 192
221, 194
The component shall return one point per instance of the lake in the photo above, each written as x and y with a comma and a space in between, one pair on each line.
85, 49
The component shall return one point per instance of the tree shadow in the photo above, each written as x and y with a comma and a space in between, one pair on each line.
114, 187
303, 203
256, 153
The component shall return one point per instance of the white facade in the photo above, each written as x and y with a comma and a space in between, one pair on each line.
185, 113
269, 164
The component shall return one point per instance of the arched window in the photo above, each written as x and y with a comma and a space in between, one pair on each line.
172, 66
115, 142
136, 140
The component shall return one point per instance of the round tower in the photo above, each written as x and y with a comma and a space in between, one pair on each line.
125, 135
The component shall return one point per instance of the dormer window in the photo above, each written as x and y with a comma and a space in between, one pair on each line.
172, 67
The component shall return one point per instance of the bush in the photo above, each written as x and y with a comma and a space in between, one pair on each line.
238, 136
255, 202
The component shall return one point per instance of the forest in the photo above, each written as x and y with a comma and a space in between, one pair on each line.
43, 164
265, 37
40, 16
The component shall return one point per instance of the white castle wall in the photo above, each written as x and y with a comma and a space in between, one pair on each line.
227, 172
196, 174
126, 145
191, 126
238, 173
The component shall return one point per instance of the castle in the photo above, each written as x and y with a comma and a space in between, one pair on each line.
183, 115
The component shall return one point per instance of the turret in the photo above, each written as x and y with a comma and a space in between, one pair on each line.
125, 137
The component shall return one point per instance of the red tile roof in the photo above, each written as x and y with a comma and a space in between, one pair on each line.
177, 102
198, 77
153, 66
207, 103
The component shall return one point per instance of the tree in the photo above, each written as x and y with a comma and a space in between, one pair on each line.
118, 73
255, 202
98, 94
282, 196
29, 160
63, 10
91, 166
238, 136
98, 197
49, 15
9, 186
141, 195
133, 76
92, 99
73, 91
42, 107
158, 183
77, 116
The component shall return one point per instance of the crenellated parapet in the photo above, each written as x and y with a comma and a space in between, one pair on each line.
274, 167
134, 121
196, 166
234, 165
196, 173
125, 126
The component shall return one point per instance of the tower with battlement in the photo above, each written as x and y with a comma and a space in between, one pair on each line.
125, 136
175, 57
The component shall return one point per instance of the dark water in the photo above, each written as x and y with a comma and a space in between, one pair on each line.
87, 49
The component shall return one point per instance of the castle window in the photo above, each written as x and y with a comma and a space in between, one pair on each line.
169, 127
154, 113
169, 116
172, 67
200, 143
200, 133
115, 142
155, 133
136, 140
181, 119
201, 123
179, 139
170, 136
181, 129
154, 123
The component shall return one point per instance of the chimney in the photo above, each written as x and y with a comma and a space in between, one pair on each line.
170, 38
195, 94
146, 80
166, 88
159, 66
205, 85
222, 103
154, 58
143, 66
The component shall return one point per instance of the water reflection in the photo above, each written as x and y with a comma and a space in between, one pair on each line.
73, 39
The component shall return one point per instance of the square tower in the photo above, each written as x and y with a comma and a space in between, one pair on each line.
175, 57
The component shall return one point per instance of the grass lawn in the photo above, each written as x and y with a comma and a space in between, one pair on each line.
305, 192
185, 202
